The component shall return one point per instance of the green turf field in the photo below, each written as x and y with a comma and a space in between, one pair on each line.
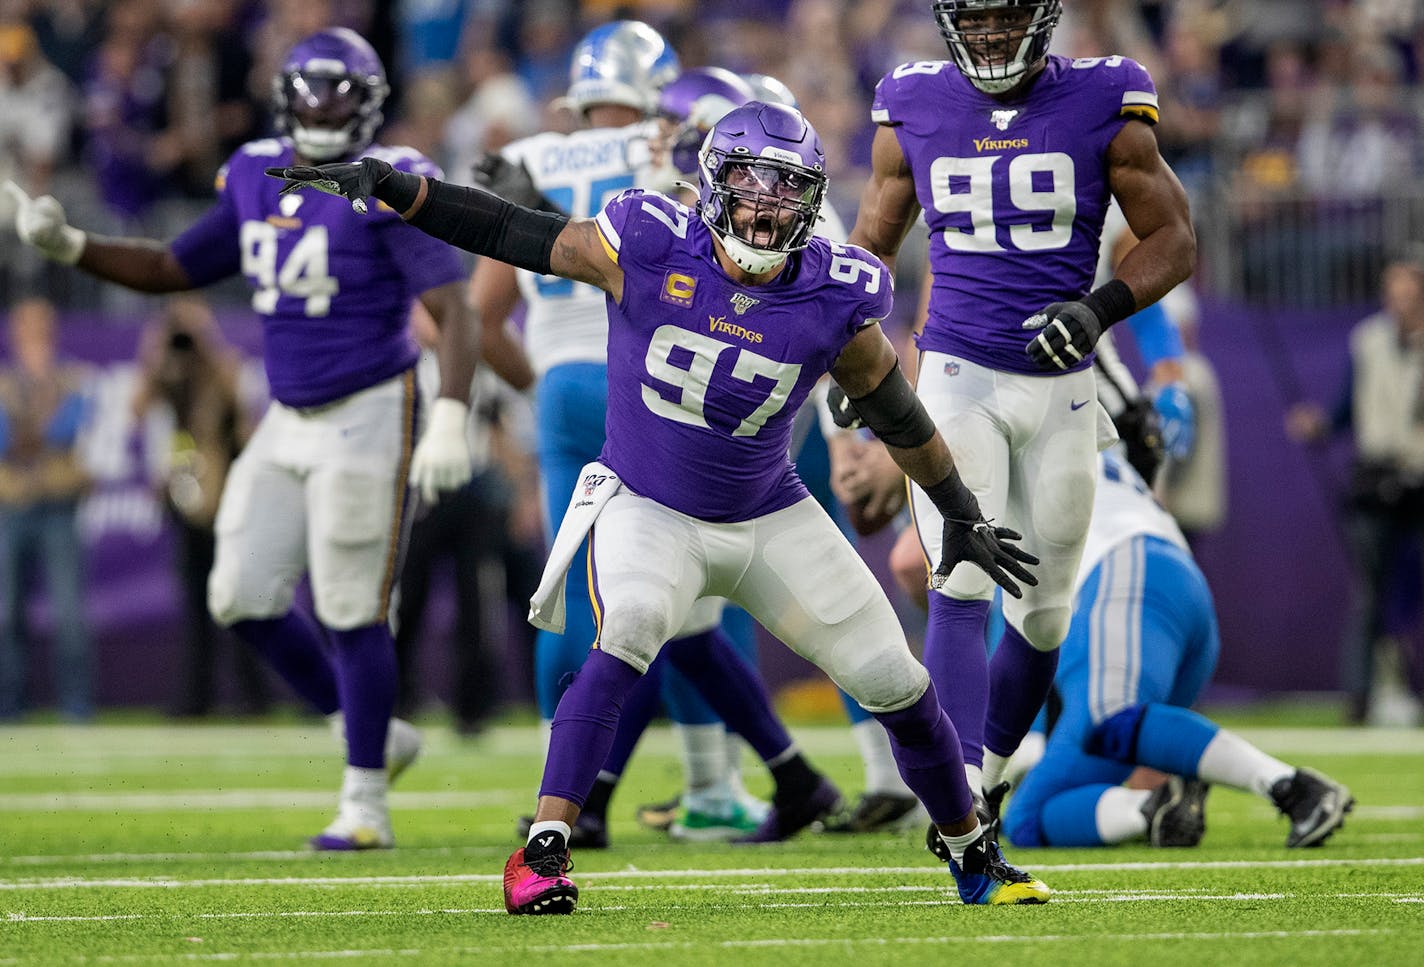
154, 844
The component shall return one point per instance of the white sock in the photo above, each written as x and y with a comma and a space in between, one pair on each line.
881, 773
1028, 755
366, 787
1119, 814
561, 828
704, 755
732, 747
1230, 760
975, 776
546, 728
958, 844
994, 766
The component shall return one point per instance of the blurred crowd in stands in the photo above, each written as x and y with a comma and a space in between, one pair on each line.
140, 101
1294, 124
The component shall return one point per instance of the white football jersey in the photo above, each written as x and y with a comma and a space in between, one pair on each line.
579, 172
1123, 508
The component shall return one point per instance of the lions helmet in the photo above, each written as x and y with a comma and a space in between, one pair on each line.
770, 90
624, 62
762, 177
694, 101
329, 94
987, 55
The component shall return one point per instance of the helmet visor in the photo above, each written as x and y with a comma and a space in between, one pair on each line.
771, 205
324, 100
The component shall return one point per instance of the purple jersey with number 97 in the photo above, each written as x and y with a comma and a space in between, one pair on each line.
334, 288
704, 375
1014, 192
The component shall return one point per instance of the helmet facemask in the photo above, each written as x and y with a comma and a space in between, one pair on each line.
762, 208
996, 53
330, 113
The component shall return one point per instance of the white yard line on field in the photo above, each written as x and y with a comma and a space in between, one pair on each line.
139, 882
944, 899
772, 943
178, 801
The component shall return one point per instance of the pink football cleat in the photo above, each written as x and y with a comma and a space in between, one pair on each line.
538, 885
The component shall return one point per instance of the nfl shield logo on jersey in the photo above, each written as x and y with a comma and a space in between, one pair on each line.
1001, 119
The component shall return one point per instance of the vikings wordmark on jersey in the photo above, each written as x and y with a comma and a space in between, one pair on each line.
702, 368
1014, 193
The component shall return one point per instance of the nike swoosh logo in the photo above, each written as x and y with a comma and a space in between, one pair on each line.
1077, 406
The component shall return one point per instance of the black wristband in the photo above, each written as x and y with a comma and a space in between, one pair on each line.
1113, 302
486, 224
955, 501
398, 189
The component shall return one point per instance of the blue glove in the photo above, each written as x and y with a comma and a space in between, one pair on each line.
1178, 418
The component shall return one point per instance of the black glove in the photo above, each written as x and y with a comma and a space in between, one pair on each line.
356, 180
1070, 331
967, 536
1140, 429
843, 411
498, 175
981, 543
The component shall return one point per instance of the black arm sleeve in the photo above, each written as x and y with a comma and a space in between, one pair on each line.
894, 413
485, 224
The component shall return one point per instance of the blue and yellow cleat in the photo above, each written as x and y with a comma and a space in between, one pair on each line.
986, 877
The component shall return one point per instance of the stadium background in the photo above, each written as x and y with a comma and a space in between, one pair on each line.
1295, 125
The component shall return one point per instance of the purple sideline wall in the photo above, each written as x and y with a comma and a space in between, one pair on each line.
1277, 568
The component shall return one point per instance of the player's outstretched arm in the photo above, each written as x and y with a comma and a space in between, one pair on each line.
471, 219
870, 374
136, 263
1156, 209
888, 204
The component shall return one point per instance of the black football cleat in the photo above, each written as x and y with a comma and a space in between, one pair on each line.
1315, 804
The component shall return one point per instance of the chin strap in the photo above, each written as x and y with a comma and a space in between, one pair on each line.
748, 257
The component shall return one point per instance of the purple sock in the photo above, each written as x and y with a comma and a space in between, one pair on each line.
639, 708
927, 752
958, 663
733, 689
584, 724
295, 646
365, 660
1020, 677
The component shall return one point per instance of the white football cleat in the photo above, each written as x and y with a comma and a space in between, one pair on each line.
356, 827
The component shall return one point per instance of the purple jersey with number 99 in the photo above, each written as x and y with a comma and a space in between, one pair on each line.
704, 375
1014, 192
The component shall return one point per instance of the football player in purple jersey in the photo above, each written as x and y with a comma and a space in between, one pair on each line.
1013, 155
721, 319
322, 486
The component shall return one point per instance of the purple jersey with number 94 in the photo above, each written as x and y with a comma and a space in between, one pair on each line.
705, 376
334, 288
1014, 192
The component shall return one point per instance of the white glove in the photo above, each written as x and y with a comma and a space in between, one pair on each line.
442, 457
40, 223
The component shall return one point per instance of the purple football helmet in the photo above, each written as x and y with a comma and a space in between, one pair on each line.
693, 102
329, 94
762, 178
